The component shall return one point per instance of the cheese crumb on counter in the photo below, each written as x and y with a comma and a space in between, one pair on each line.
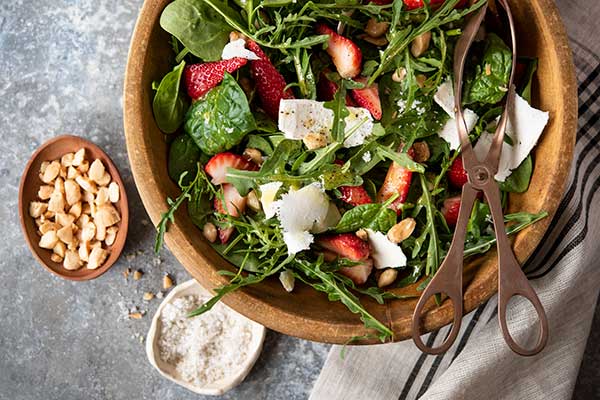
206, 348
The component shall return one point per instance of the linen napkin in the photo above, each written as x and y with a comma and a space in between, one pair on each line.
563, 271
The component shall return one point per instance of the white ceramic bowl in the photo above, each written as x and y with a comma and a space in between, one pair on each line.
217, 388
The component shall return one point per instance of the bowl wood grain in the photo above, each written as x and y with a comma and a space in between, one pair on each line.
306, 313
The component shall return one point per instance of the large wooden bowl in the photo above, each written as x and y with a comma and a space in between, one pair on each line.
306, 313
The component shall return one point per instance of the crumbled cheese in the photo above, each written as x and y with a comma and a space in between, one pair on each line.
416, 105
444, 97
206, 348
299, 211
367, 157
525, 126
237, 48
385, 254
268, 194
299, 118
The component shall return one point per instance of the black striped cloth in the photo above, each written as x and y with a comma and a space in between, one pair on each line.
565, 272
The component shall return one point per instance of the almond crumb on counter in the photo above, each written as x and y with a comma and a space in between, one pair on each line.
136, 315
167, 282
137, 274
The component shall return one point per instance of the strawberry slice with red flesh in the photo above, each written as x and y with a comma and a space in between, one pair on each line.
199, 79
457, 174
346, 245
346, 55
368, 98
415, 4
353, 195
327, 89
270, 84
359, 274
450, 210
235, 205
217, 166
397, 180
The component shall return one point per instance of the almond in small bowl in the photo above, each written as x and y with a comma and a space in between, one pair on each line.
73, 208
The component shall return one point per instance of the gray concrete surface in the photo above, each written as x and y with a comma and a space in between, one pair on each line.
61, 69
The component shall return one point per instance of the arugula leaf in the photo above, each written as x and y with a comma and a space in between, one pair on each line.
401, 159
518, 181
489, 84
222, 119
333, 176
199, 27
183, 157
170, 104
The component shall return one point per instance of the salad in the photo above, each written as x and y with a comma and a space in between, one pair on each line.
315, 142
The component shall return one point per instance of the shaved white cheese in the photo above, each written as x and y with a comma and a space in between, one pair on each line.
444, 97
384, 253
299, 211
299, 118
268, 194
525, 126
237, 48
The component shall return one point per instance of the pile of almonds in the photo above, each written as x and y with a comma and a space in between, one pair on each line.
75, 216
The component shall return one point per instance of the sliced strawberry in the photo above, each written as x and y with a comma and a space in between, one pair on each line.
397, 180
450, 210
327, 89
368, 98
270, 84
346, 55
359, 274
354, 195
457, 174
414, 4
199, 79
235, 205
346, 245
217, 166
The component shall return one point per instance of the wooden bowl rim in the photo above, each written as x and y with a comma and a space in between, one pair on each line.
25, 219
312, 327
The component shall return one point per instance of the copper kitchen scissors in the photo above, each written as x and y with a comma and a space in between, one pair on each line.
449, 278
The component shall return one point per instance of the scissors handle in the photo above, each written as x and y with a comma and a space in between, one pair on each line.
448, 279
511, 279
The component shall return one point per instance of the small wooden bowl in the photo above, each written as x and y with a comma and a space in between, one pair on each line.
30, 183
305, 312
218, 388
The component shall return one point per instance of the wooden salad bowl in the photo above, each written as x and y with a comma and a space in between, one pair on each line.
305, 312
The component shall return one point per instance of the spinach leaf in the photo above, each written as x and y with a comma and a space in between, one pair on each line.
374, 216
170, 104
183, 157
198, 26
489, 84
222, 119
518, 181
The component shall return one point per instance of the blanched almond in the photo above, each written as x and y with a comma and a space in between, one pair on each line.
97, 258
375, 28
107, 215
104, 180
420, 44
45, 192
402, 230
48, 226
72, 261
78, 157
65, 234
51, 172
210, 232
60, 249
37, 209
75, 209
56, 204
48, 240
88, 232
64, 219
72, 192
96, 170
84, 167
86, 184
43, 167
59, 185
84, 251
387, 277
102, 196
67, 159
72, 173
63, 172
100, 232
111, 235
87, 197
49, 214
113, 192
56, 258
253, 154
83, 219
253, 202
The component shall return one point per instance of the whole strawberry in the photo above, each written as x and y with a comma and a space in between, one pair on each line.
270, 84
199, 79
